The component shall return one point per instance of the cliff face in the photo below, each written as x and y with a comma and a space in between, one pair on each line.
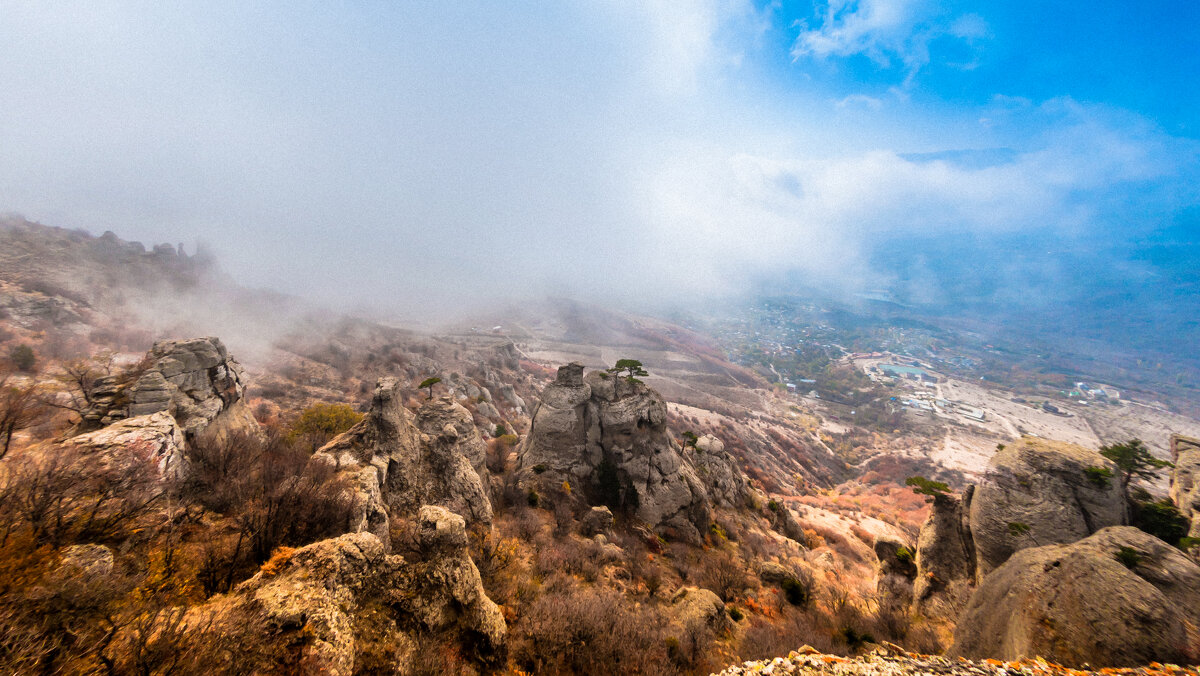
1185, 479
608, 436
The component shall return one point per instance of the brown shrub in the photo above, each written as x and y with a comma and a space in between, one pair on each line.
594, 631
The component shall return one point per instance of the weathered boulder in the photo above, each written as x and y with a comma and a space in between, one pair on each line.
723, 480
771, 572
945, 556
1185, 479
395, 467
897, 570
1039, 492
597, 520
694, 606
609, 436
1079, 603
344, 606
153, 439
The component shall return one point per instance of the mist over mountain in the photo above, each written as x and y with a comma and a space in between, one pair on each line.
410, 159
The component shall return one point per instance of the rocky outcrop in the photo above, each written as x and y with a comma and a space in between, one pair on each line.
608, 435
196, 381
1185, 479
723, 479
1118, 598
154, 439
344, 605
945, 557
443, 420
1038, 492
396, 466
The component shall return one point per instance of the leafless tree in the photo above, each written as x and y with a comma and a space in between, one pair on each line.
20, 407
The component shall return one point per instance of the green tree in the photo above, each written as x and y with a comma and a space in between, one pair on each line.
22, 357
632, 367
923, 486
428, 384
690, 439
1133, 461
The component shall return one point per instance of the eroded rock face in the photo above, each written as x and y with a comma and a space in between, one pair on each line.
1185, 479
723, 479
332, 605
1038, 493
196, 381
154, 438
609, 436
1078, 603
945, 556
396, 467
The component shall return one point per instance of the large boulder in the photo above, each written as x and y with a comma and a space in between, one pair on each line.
608, 435
395, 468
153, 439
1039, 492
1185, 479
1118, 598
945, 556
345, 606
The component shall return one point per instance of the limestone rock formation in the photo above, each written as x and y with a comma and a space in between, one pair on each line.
344, 606
1185, 479
395, 467
153, 438
945, 556
608, 436
196, 381
1087, 602
723, 479
1038, 492
442, 419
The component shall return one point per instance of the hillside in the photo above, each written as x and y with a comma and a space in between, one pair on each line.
208, 475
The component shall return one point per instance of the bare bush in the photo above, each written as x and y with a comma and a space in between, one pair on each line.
725, 575
591, 631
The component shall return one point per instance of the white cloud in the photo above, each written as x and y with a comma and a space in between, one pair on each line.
885, 30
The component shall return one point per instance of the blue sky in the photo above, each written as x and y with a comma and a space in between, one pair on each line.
464, 150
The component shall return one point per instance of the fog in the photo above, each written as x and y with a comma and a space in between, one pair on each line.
412, 157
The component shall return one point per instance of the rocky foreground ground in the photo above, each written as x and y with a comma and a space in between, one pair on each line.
893, 661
